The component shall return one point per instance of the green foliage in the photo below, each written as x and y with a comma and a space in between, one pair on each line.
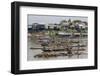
75, 21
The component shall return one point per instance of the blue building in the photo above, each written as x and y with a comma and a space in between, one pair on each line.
36, 27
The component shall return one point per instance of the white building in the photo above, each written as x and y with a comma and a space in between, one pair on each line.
52, 26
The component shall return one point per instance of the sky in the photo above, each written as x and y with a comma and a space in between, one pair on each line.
46, 19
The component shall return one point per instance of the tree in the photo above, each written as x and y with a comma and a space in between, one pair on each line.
69, 21
77, 21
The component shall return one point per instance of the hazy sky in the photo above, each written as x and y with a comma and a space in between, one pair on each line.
45, 19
